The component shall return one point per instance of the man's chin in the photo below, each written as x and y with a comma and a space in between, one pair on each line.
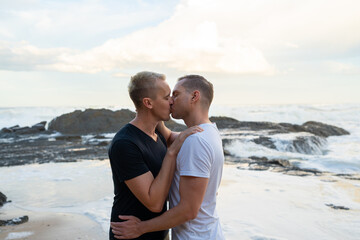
167, 118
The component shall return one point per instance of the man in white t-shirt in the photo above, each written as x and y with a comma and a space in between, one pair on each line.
192, 196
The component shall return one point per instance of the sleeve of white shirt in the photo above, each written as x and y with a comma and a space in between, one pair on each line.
195, 157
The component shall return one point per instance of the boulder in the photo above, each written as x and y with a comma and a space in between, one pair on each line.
95, 121
91, 121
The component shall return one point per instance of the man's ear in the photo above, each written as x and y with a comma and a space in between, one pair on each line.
195, 96
148, 103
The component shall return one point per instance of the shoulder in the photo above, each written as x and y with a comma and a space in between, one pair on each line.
200, 137
125, 140
196, 143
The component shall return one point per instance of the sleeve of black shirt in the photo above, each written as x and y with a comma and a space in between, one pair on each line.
126, 160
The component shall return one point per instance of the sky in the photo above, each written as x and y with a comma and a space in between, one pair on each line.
83, 52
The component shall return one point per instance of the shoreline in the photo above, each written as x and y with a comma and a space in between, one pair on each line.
251, 205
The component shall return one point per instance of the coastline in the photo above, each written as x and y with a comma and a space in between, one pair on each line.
252, 204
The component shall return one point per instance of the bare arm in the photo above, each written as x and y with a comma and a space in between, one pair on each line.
152, 192
169, 135
192, 192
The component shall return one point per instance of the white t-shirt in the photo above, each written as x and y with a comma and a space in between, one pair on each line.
200, 156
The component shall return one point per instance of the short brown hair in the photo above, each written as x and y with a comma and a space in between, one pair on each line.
143, 85
197, 82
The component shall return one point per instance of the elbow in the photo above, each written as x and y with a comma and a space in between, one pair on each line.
189, 210
156, 208
190, 214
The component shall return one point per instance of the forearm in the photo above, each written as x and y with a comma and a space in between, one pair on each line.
172, 218
169, 135
159, 189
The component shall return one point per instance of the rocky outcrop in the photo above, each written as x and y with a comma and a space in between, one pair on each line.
227, 122
35, 129
316, 128
94, 121
323, 130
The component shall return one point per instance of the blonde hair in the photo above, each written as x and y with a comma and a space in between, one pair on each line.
143, 85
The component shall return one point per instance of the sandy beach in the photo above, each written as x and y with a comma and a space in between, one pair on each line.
260, 205
47, 225
268, 205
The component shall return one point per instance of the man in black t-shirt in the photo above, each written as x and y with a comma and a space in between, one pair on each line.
141, 164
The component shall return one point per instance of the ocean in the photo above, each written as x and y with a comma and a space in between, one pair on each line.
339, 154
252, 204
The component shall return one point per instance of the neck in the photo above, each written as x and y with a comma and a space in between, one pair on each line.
197, 118
145, 122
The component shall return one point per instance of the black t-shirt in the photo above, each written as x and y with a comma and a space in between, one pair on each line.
133, 153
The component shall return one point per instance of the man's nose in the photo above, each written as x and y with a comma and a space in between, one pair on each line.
171, 101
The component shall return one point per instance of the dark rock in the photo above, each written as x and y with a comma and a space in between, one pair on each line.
256, 167
68, 138
265, 141
99, 137
280, 162
226, 122
259, 159
299, 173
308, 145
302, 144
3, 199
337, 207
292, 127
283, 162
39, 126
14, 127
227, 153
26, 130
91, 121
227, 141
103, 143
324, 130
94, 121
14, 221
6, 130
316, 128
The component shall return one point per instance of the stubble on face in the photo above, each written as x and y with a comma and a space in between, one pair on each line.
179, 98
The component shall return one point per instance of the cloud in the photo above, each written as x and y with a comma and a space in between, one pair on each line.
341, 68
217, 36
